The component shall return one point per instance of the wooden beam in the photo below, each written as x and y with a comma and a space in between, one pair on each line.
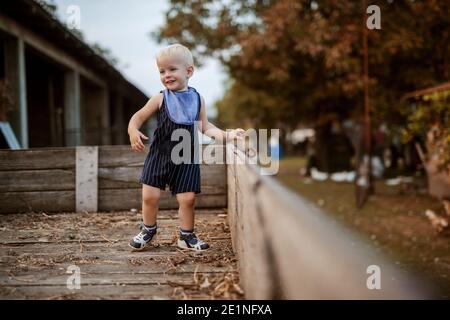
128, 177
41, 44
72, 109
119, 123
422, 92
288, 248
37, 159
37, 201
15, 73
86, 184
105, 116
37, 180
126, 199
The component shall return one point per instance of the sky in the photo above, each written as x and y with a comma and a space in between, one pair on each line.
123, 26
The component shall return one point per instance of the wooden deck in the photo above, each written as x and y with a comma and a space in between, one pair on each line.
37, 249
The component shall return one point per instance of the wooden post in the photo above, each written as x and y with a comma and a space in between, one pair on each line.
364, 185
72, 110
367, 118
52, 110
16, 76
119, 124
86, 182
105, 116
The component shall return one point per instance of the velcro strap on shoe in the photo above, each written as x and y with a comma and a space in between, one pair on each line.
145, 230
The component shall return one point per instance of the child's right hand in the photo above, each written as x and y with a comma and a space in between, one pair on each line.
136, 142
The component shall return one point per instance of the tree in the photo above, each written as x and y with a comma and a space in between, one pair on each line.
429, 118
298, 60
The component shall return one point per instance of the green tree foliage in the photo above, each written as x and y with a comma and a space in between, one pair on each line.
430, 119
295, 60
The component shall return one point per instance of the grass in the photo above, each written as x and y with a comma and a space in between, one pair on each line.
392, 220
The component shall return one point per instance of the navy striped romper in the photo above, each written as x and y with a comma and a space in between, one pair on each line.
159, 170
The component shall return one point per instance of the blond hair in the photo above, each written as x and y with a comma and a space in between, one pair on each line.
177, 50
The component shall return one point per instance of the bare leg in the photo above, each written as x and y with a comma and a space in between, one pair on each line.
150, 202
186, 201
187, 239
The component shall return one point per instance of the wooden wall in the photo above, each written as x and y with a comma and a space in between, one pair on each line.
44, 179
288, 248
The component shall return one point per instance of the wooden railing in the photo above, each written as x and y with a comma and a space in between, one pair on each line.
101, 178
289, 249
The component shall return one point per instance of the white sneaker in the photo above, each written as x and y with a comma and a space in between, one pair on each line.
191, 242
144, 237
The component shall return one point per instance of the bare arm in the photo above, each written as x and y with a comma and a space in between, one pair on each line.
212, 131
139, 118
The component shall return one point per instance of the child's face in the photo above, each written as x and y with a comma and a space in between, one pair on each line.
174, 73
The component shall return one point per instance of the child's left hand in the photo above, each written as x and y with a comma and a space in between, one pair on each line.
236, 134
239, 135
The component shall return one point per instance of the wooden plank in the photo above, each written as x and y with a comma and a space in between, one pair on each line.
68, 251
165, 237
120, 156
125, 199
86, 183
300, 244
89, 222
92, 242
89, 279
37, 159
253, 260
111, 156
37, 180
213, 154
232, 198
90, 226
147, 263
213, 174
211, 197
47, 201
326, 242
123, 156
128, 177
119, 177
35, 268
110, 292
50, 158
123, 269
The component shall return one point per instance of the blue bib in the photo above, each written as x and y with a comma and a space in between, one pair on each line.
183, 106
